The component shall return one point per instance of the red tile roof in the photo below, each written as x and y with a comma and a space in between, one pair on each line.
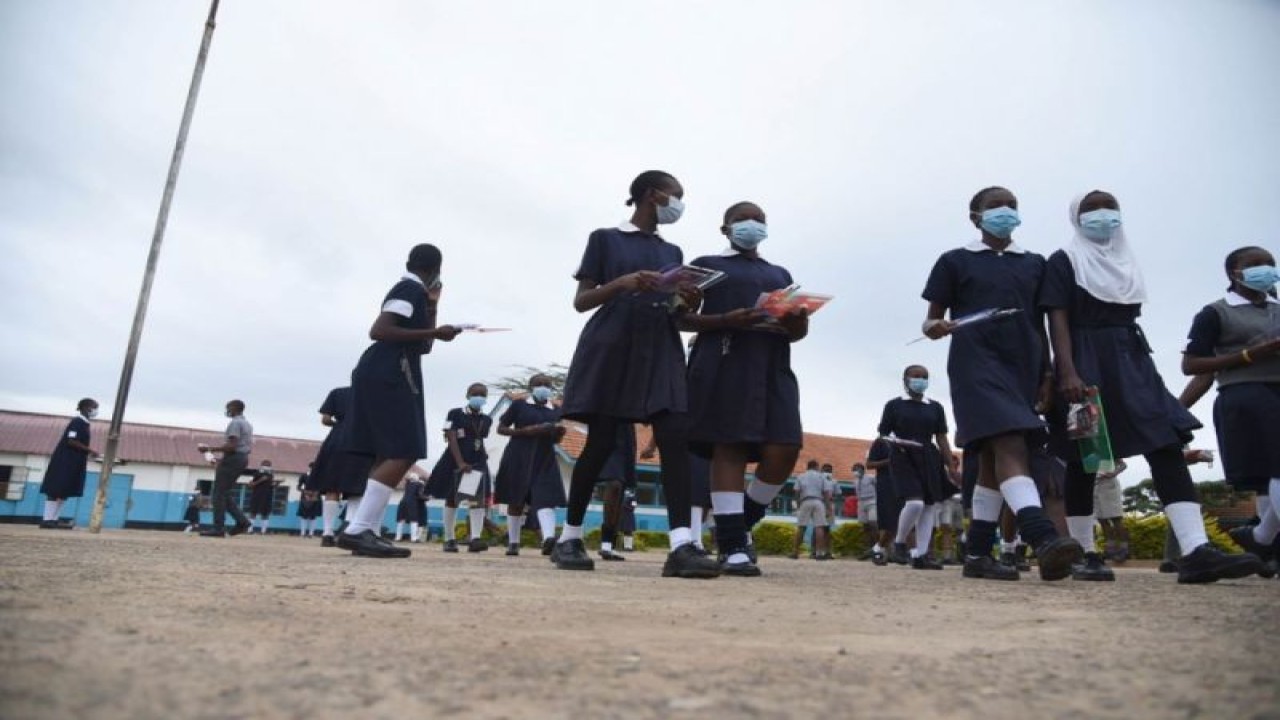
38, 434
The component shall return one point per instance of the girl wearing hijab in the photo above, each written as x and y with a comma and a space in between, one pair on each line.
1093, 292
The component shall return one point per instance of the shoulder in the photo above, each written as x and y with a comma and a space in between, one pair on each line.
454, 415
1059, 259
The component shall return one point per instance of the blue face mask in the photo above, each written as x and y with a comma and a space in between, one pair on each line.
670, 212
1099, 225
747, 234
542, 393
476, 402
1260, 277
1000, 221
918, 385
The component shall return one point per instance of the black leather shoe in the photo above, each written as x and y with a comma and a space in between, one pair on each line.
328, 541
513, 550
611, 556
1094, 568
56, 525
239, 529
878, 558
740, 569
1208, 564
572, 555
986, 568
685, 562
369, 544
451, 546
1243, 536
477, 545
1057, 556
924, 562
751, 553
213, 532
548, 545
1020, 558
1168, 566
898, 554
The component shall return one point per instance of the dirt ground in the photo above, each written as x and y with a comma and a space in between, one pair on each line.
146, 624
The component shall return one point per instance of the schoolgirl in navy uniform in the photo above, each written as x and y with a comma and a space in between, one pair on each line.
917, 471
618, 476
465, 432
1094, 291
629, 366
528, 475
308, 510
999, 374
64, 478
262, 488
336, 473
744, 400
1237, 339
888, 507
412, 508
387, 419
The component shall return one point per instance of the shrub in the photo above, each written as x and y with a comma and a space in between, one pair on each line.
1146, 536
655, 539
847, 540
773, 538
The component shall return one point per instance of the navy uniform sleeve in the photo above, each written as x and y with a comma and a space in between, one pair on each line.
73, 431
1205, 331
594, 259
511, 414
879, 451
887, 419
454, 419
330, 404
941, 286
940, 427
485, 426
1059, 283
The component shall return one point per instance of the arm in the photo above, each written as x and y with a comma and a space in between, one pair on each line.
1192, 365
386, 329
1196, 388
451, 436
944, 447
591, 294
328, 420
1044, 398
732, 320
1069, 382
935, 325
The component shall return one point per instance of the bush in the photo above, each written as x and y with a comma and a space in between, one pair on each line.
651, 539
848, 540
1146, 536
773, 538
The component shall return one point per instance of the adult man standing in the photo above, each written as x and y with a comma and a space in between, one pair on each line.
235, 449
811, 510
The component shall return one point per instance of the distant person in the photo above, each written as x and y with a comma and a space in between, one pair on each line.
466, 429
831, 491
528, 474
918, 430
309, 508
235, 448
64, 478
629, 366
411, 510
336, 474
1108, 507
1237, 340
616, 479
868, 518
192, 514
888, 506
811, 510
262, 492
387, 418
1093, 291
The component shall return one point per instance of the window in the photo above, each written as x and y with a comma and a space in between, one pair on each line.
13, 482
204, 487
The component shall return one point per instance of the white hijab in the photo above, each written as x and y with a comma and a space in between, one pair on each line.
1107, 270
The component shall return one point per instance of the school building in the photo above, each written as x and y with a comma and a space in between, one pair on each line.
161, 469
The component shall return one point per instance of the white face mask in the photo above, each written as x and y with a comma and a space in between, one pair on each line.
91, 414
266, 469
670, 212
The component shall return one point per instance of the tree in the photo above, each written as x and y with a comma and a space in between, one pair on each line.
1141, 498
519, 382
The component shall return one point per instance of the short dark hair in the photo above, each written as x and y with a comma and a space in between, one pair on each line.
646, 181
812, 464
859, 466
86, 402
976, 202
423, 258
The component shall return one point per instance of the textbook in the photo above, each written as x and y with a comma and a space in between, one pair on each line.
672, 278
469, 484
976, 318
789, 299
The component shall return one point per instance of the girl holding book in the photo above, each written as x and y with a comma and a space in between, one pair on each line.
744, 400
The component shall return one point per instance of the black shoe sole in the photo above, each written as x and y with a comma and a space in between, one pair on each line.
1093, 577
587, 566
740, 570
1058, 557
1239, 568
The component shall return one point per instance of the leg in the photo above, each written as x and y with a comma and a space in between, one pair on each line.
611, 498
728, 503
1012, 468
602, 435
362, 533
775, 466
987, 504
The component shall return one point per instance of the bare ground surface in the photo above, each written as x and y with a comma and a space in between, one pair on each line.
145, 624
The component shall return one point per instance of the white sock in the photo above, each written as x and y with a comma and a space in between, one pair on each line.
877, 548
266, 522
353, 507
924, 530
1009, 546
415, 532
907, 519
762, 492
606, 546
399, 530
987, 504
1268, 517
547, 522
57, 508
513, 528
50, 510
679, 536
450, 523
328, 513
695, 524
1080, 528
570, 532
629, 542
373, 505
727, 503
477, 521
1187, 524
1020, 492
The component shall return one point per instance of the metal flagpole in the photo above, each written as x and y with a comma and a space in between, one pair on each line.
140, 314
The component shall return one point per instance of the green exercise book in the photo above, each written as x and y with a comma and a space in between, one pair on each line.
1095, 452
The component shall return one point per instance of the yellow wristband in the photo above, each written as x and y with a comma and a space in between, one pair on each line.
1248, 360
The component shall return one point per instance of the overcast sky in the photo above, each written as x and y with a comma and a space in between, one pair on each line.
332, 136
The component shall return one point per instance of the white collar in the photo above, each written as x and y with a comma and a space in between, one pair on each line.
414, 278
630, 227
529, 399
908, 398
979, 246
1235, 299
732, 251
84, 417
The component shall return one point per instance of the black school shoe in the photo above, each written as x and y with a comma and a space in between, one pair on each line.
548, 545
239, 529
572, 555
370, 544
513, 550
1208, 564
1167, 566
451, 546
328, 541
1094, 568
1020, 560
986, 568
924, 562
477, 545
878, 558
740, 569
56, 525
213, 532
685, 562
1243, 536
1056, 557
898, 554
611, 556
